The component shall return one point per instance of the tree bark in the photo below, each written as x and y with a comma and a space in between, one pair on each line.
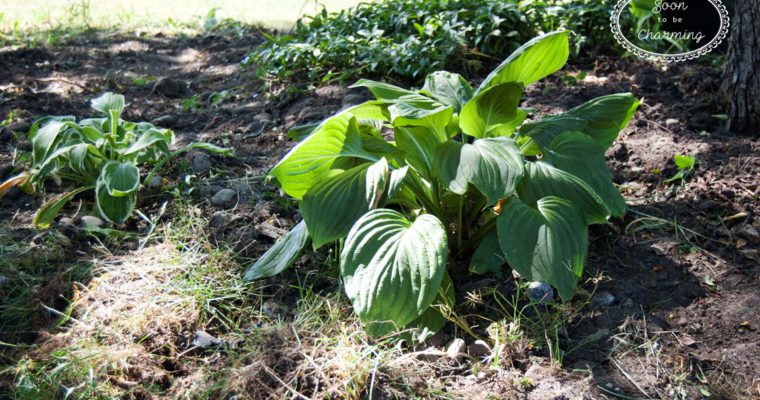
741, 74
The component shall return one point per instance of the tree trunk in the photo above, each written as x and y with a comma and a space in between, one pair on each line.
741, 75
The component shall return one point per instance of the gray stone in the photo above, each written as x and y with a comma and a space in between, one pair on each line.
66, 221
479, 348
91, 221
540, 292
155, 182
164, 121
225, 198
171, 88
3, 280
603, 299
19, 127
670, 122
749, 232
353, 99
203, 340
201, 163
244, 191
310, 114
264, 118
456, 349
219, 219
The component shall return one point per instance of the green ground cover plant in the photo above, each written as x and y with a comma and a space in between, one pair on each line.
419, 183
102, 154
405, 40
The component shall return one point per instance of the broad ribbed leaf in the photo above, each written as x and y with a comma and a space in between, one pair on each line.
417, 144
491, 108
382, 90
494, 166
418, 110
332, 206
536, 59
393, 267
537, 135
582, 156
307, 163
447, 88
114, 209
107, 102
148, 139
542, 179
43, 139
488, 257
120, 179
545, 244
606, 116
47, 212
281, 255
446, 160
395, 183
432, 320
78, 156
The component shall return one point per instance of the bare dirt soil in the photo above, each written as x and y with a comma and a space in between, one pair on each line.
671, 305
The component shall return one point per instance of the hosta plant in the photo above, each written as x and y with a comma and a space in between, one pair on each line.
102, 154
417, 183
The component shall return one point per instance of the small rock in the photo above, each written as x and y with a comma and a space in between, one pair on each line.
225, 198
603, 299
66, 221
310, 114
456, 349
353, 99
171, 88
436, 340
749, 232
164, 121
670, 122
219, 219
203, 340
155, 182
540, 292
91, 221
478, 348
208, 191
238, 137
201, 163
3, 280
19, 127
264, 118
244, 191
270, 231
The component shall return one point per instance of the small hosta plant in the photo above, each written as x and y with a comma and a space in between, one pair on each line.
417, 183
101, 154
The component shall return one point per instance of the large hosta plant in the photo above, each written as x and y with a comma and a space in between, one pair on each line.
419, 182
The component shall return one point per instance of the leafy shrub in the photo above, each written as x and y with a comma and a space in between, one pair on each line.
101, 154
400, 39
466, 180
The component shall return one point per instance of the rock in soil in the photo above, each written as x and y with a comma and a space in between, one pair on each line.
225, 198
91, 221
201, 163
3, 280
540, 292
219, 219
164, 121
171, 88
456, 349
264, 118
155, 182
203, 340
603, 299
479, 348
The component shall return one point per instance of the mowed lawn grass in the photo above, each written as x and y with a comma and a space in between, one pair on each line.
276, 14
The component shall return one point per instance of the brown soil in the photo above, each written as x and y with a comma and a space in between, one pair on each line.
682, 267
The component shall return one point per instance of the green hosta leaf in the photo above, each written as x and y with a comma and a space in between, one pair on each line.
418, 110
43, 139
47, 212
381, 90
108, 102
606, 116
580, 155
542, 179
371, 110
446, 161
447, 88
120, 179
332, 206
149, 138
417, 143
491, 108
536, 59
281, 255
488, 257
307, 163
539, 134
395, 183
114, 209
78, 156
547, 243
432, 320
393, 267
301, 132
494, 166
